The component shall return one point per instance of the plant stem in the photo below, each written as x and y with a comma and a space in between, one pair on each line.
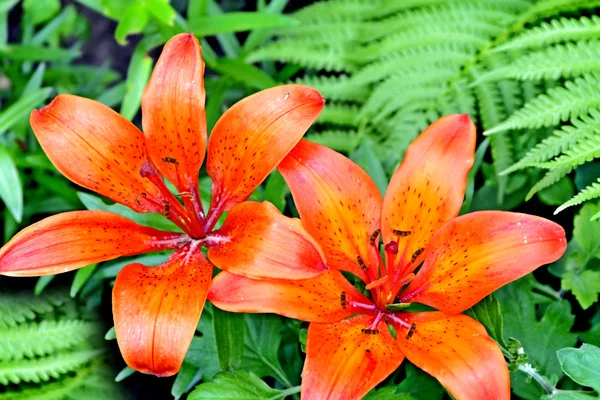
287, 392
530, 371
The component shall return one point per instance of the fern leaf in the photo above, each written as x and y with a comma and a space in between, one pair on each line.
561, 140
23, 341
548, 180
43, 369
584, 151
16, 308
555, 31
559, 104
588, 193
339, 114
336, 88
325, 10
547, 8
561, 61
338, 140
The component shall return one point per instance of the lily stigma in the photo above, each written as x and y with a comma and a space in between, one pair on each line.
407, 247
156, 309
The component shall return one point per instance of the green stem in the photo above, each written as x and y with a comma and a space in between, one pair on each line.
287, 392
530, 371
543, 289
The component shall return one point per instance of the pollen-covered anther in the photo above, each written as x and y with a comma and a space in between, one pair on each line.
401, 233
407, 279
377, 283
370, 331
416, 254
411, 331
343, 299
374, 236
170, 160
361, 263
167, 210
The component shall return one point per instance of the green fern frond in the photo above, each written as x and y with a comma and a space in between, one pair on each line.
559, 104
16, 308
561, 61
407, 100
588, 193
339, 114
581, 152
338, 140
304, 53
548, 180
43, 369
561, 140
324, 34
336, 88
555, 31
333, 9
548, 8
23, 341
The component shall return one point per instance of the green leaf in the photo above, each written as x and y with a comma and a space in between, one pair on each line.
366, 157
133, 20
558, 193
11, 190
81, 277
39, 11
585, 286
275, 190
229, 334
22, 107
238, 22
6, 5
249, 75
111, 334
586, 232
42, 282
162, 11
488, 313
237, 385
568, 395
582, 365
419, 384
387, 393
124, 374
18, 52
153, 220
138, 75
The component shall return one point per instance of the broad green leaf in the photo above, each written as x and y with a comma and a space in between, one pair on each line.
419, 385
153, 220
586, 232
162, 11
387, 393
11, 190
558, 193
275, 190
238, 22
569, 395
585, 286
81, 277
124, 374
22, 108
229, 334
582, 365
247, 74
42, 283
488, 313
138, 75
6, 5
237, 385
228, 41
366, 157
39, 11
19, 52
133, 20
187, 377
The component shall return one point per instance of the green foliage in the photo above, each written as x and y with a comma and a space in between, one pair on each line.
238, 385
582, 365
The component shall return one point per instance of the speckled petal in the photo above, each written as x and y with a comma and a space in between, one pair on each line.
96, 148
428, 188
173, 112
343, 362
475, 254
156, 310
458, 352
254, 135
326, 298
339, 205
258, 241
76, 239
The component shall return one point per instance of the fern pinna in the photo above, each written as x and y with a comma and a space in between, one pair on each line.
50, 349
528, 71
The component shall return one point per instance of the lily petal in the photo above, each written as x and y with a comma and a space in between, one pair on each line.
475, 254
326, 298
156, 310
339, 205
428, 188
96, 148
457, 351
76, 239
342, 362
258, 241
173, 112
253, 136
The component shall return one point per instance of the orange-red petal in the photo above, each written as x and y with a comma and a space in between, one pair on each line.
457, 351
254, 135
428, 188
156, 310
258, 241
326, 298
475, 254
339, 204
96, 148
343, 362
173, 112
76, 239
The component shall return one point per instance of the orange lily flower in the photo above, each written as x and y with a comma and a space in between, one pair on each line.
350, 348
156, 310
